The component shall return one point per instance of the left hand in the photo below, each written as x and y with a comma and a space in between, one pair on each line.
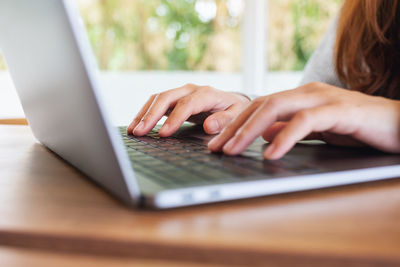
318, 111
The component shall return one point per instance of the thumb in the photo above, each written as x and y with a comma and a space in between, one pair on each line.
219, 120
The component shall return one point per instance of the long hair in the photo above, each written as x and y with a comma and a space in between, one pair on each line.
367, 53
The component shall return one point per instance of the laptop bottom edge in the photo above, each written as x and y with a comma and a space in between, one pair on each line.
182, 197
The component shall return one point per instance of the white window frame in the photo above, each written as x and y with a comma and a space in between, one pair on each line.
254, 40
126, 92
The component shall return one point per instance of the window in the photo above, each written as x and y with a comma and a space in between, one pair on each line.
194, 35
203, 35
257, 46
295, 28
210, 35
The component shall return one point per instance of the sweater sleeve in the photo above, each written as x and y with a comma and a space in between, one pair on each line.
321, 67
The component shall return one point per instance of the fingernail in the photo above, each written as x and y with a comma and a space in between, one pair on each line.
228, 147
138, 127
212, 142
213, 126
269, 152
164, 128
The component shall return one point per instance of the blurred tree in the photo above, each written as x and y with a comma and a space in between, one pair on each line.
295, 29
189, 35
199, 34
160, 34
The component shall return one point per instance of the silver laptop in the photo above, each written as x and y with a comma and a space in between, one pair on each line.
54, 71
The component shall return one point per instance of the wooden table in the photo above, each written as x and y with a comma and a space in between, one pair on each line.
49, 212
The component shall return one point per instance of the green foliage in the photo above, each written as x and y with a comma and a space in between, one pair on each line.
147, 35
182, 17
296, 28
306, 14
171, 35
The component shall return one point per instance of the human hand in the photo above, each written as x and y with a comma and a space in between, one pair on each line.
337, 116
200, 104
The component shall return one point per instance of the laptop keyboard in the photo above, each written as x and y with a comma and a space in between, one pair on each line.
186, 161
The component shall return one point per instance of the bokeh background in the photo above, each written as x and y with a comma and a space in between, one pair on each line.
199, 35
147, 46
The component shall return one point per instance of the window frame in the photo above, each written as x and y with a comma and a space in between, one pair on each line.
254, 40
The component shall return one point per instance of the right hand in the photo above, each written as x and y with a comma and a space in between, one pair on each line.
188, 103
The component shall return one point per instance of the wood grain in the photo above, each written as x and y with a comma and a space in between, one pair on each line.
12, 257
48, 205
20, 121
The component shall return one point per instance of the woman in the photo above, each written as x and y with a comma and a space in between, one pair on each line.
351, 98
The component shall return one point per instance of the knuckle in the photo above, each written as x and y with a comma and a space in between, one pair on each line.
346, 108
257, 102
228, 116
305, 116
241, 100
274, 102
190, 86
342, 103
312, 86
315, 85
187, 100
162, 96
206, 88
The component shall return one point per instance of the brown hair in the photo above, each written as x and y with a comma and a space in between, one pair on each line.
368, 47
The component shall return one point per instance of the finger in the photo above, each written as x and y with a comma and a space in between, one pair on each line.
140, 115
274, 108
158, 109
217, 142
277, 107
330, 138
272, 131
258, 122
219, 120
185, 108
270, 134
318, 119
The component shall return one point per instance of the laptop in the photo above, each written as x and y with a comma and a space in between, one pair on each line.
52, 65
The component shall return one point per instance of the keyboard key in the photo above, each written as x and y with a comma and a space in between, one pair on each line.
187, 162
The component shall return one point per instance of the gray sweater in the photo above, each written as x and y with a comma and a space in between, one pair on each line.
321, 67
